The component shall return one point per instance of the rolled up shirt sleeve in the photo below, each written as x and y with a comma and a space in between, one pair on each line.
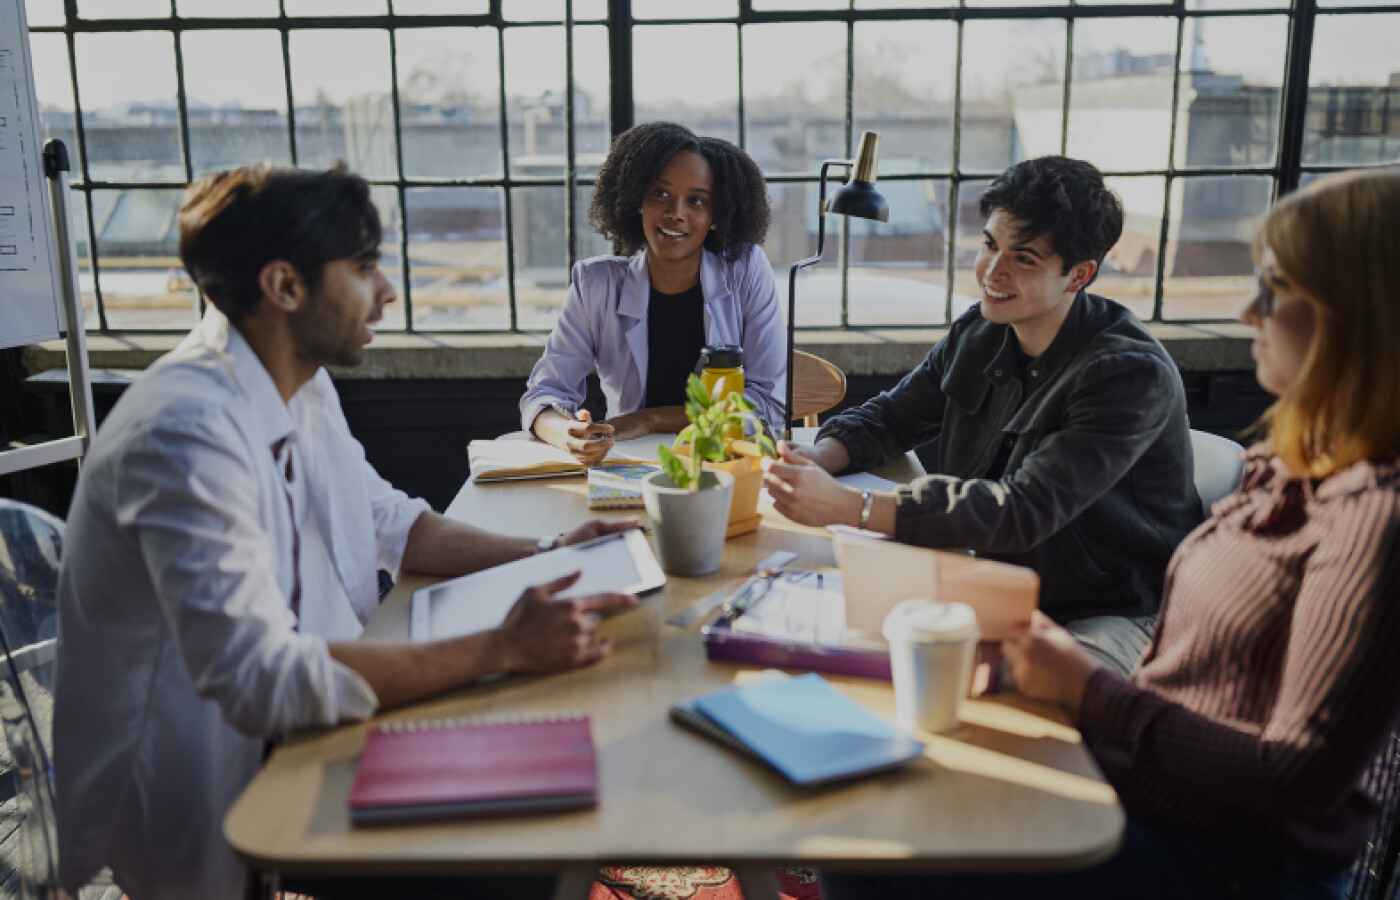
192, 502
394, 515
560, 375
1112, 418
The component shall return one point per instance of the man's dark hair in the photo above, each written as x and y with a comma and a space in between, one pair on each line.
1063, 199
739, 204
235, 222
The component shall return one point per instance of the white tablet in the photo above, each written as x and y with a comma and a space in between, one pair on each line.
480, 601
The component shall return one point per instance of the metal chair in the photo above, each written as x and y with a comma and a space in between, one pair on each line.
30, 544
817, 386
1219, 466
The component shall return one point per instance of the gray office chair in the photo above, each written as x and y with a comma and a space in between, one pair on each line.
30, 544
1219, 466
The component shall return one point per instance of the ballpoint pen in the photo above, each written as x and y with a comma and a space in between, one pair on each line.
572, 415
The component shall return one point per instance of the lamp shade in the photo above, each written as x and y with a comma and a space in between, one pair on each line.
858, 197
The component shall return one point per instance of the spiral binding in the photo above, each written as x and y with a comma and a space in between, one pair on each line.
461, 721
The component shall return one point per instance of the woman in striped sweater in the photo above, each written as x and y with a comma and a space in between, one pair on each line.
1273, 679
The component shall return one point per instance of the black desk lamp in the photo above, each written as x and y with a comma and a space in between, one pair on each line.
857, 197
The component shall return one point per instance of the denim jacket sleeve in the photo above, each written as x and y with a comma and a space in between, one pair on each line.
1114, 409
908, 415
561, 374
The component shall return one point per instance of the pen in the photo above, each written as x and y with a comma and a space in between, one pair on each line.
572, 416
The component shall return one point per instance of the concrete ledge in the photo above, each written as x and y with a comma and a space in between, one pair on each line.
1222, 347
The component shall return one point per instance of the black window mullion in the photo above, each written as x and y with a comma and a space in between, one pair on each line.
1065, 97
286, 35
507, 201
1293, 121
1167, 183
402, 194
183, 114
624, 112
844, 260
70, 15
570, 148
950, 220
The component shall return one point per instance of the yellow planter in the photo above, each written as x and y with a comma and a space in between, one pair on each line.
748, 484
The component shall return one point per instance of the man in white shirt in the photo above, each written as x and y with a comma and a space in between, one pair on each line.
224, 542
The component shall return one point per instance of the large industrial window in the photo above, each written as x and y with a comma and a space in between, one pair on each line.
482, 122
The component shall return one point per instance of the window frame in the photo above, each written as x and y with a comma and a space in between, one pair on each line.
1287, 170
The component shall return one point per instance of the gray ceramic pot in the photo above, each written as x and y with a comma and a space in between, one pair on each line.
689, 526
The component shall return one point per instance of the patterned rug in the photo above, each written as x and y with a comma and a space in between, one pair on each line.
694, 883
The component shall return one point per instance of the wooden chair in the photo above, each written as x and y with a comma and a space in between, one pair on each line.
817, 386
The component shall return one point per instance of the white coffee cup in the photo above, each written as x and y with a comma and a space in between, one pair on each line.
932, 645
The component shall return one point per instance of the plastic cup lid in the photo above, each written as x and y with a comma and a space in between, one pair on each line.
931, 622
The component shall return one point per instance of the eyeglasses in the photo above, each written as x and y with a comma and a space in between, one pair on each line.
1264, 299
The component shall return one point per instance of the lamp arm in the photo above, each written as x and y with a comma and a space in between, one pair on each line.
792, 287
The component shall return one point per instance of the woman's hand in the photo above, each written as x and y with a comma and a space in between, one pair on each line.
588, 441
1048, 663
806, 494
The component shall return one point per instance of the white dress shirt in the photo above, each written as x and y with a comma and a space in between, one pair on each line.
178, 652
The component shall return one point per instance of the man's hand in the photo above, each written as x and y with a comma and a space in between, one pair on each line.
1048, 663
806, 494
543, 633
588, 441
828, 453
594, 528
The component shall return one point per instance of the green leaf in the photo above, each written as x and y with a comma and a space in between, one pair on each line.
673, 466
744, 403
695, 390
765, 444
693, 410
687, 436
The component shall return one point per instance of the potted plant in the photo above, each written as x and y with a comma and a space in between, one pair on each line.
689, 500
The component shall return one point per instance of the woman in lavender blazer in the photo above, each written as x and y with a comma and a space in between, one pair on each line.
691, 212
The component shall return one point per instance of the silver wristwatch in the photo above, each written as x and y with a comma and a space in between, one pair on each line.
867, 500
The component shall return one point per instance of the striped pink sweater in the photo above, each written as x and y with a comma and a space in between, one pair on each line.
1274, 676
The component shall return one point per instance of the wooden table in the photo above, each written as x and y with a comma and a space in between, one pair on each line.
1013, 788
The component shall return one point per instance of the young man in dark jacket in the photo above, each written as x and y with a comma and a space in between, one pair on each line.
1063, 443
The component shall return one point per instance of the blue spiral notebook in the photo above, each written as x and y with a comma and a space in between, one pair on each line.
803, 727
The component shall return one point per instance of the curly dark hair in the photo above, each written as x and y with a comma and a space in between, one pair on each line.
1064, 199
740, 201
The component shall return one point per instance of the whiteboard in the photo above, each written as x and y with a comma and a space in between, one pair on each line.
29, 280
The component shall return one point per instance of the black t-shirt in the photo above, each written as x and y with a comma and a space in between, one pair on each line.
1008, 440
675, 336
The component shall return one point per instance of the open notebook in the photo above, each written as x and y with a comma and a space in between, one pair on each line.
518, 456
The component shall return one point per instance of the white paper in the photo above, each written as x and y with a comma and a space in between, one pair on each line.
28, 282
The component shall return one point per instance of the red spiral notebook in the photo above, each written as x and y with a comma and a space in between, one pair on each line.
470, 767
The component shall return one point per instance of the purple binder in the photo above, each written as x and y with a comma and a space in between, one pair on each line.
723, 643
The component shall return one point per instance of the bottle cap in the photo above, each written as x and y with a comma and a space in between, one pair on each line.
724, 356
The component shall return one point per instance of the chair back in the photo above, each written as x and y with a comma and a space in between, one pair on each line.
1219, 466
1372, 875
817, 386
31, 542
